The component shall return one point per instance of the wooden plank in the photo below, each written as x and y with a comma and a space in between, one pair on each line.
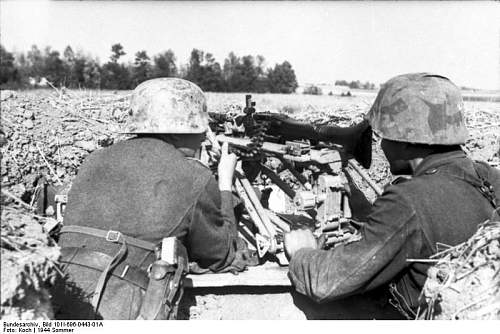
269, 274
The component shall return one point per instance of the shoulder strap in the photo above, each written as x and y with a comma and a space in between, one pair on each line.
480, 182
486, 188
101, 282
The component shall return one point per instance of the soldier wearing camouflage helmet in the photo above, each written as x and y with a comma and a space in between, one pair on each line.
168, 105
420, 118
419, 108
136, 192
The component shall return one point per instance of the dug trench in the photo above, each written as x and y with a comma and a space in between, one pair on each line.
48, 133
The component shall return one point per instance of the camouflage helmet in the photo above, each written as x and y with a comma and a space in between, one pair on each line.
167, 105
419, 108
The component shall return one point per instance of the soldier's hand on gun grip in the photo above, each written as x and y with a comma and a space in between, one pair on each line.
297, 239
226, 168
215, 147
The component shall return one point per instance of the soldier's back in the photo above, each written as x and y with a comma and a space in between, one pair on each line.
141, 187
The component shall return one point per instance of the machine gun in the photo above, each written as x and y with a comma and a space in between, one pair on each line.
299, 168
278, 128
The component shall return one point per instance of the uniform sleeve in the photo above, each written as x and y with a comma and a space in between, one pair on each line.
211, 240
388, 238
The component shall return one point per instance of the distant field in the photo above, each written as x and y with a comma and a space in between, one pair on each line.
300, 106
479, 97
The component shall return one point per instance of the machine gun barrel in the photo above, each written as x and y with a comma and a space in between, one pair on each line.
323, 156
356, 140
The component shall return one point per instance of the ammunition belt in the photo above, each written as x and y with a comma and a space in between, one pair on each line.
254, 149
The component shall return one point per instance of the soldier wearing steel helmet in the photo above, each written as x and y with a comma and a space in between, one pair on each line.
420, 118
136, 192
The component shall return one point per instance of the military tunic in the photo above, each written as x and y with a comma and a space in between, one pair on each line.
146, 189
437, 205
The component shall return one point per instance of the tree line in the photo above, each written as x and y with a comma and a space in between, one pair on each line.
355, 84
80, 70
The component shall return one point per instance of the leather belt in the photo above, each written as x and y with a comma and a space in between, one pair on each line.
110, 235
99, 261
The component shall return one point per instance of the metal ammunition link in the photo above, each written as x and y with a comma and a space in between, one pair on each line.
254, 149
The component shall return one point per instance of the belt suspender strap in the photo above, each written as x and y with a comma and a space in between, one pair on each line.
109, 235
486, 189
102, 279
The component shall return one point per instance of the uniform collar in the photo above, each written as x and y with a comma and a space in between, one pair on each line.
435, 160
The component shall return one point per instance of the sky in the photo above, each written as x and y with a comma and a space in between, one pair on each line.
324, 41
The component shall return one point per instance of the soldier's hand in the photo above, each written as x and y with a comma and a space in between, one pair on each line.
297, 239
215, 150
226, 168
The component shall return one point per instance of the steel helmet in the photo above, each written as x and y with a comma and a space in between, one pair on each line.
419, 108
167, 105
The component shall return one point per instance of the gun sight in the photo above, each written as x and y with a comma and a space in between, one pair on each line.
249, 105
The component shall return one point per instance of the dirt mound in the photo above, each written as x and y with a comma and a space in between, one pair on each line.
465, 282
27, 266
483, 122
50, 133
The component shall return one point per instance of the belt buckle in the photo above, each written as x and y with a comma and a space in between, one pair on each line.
113, 236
